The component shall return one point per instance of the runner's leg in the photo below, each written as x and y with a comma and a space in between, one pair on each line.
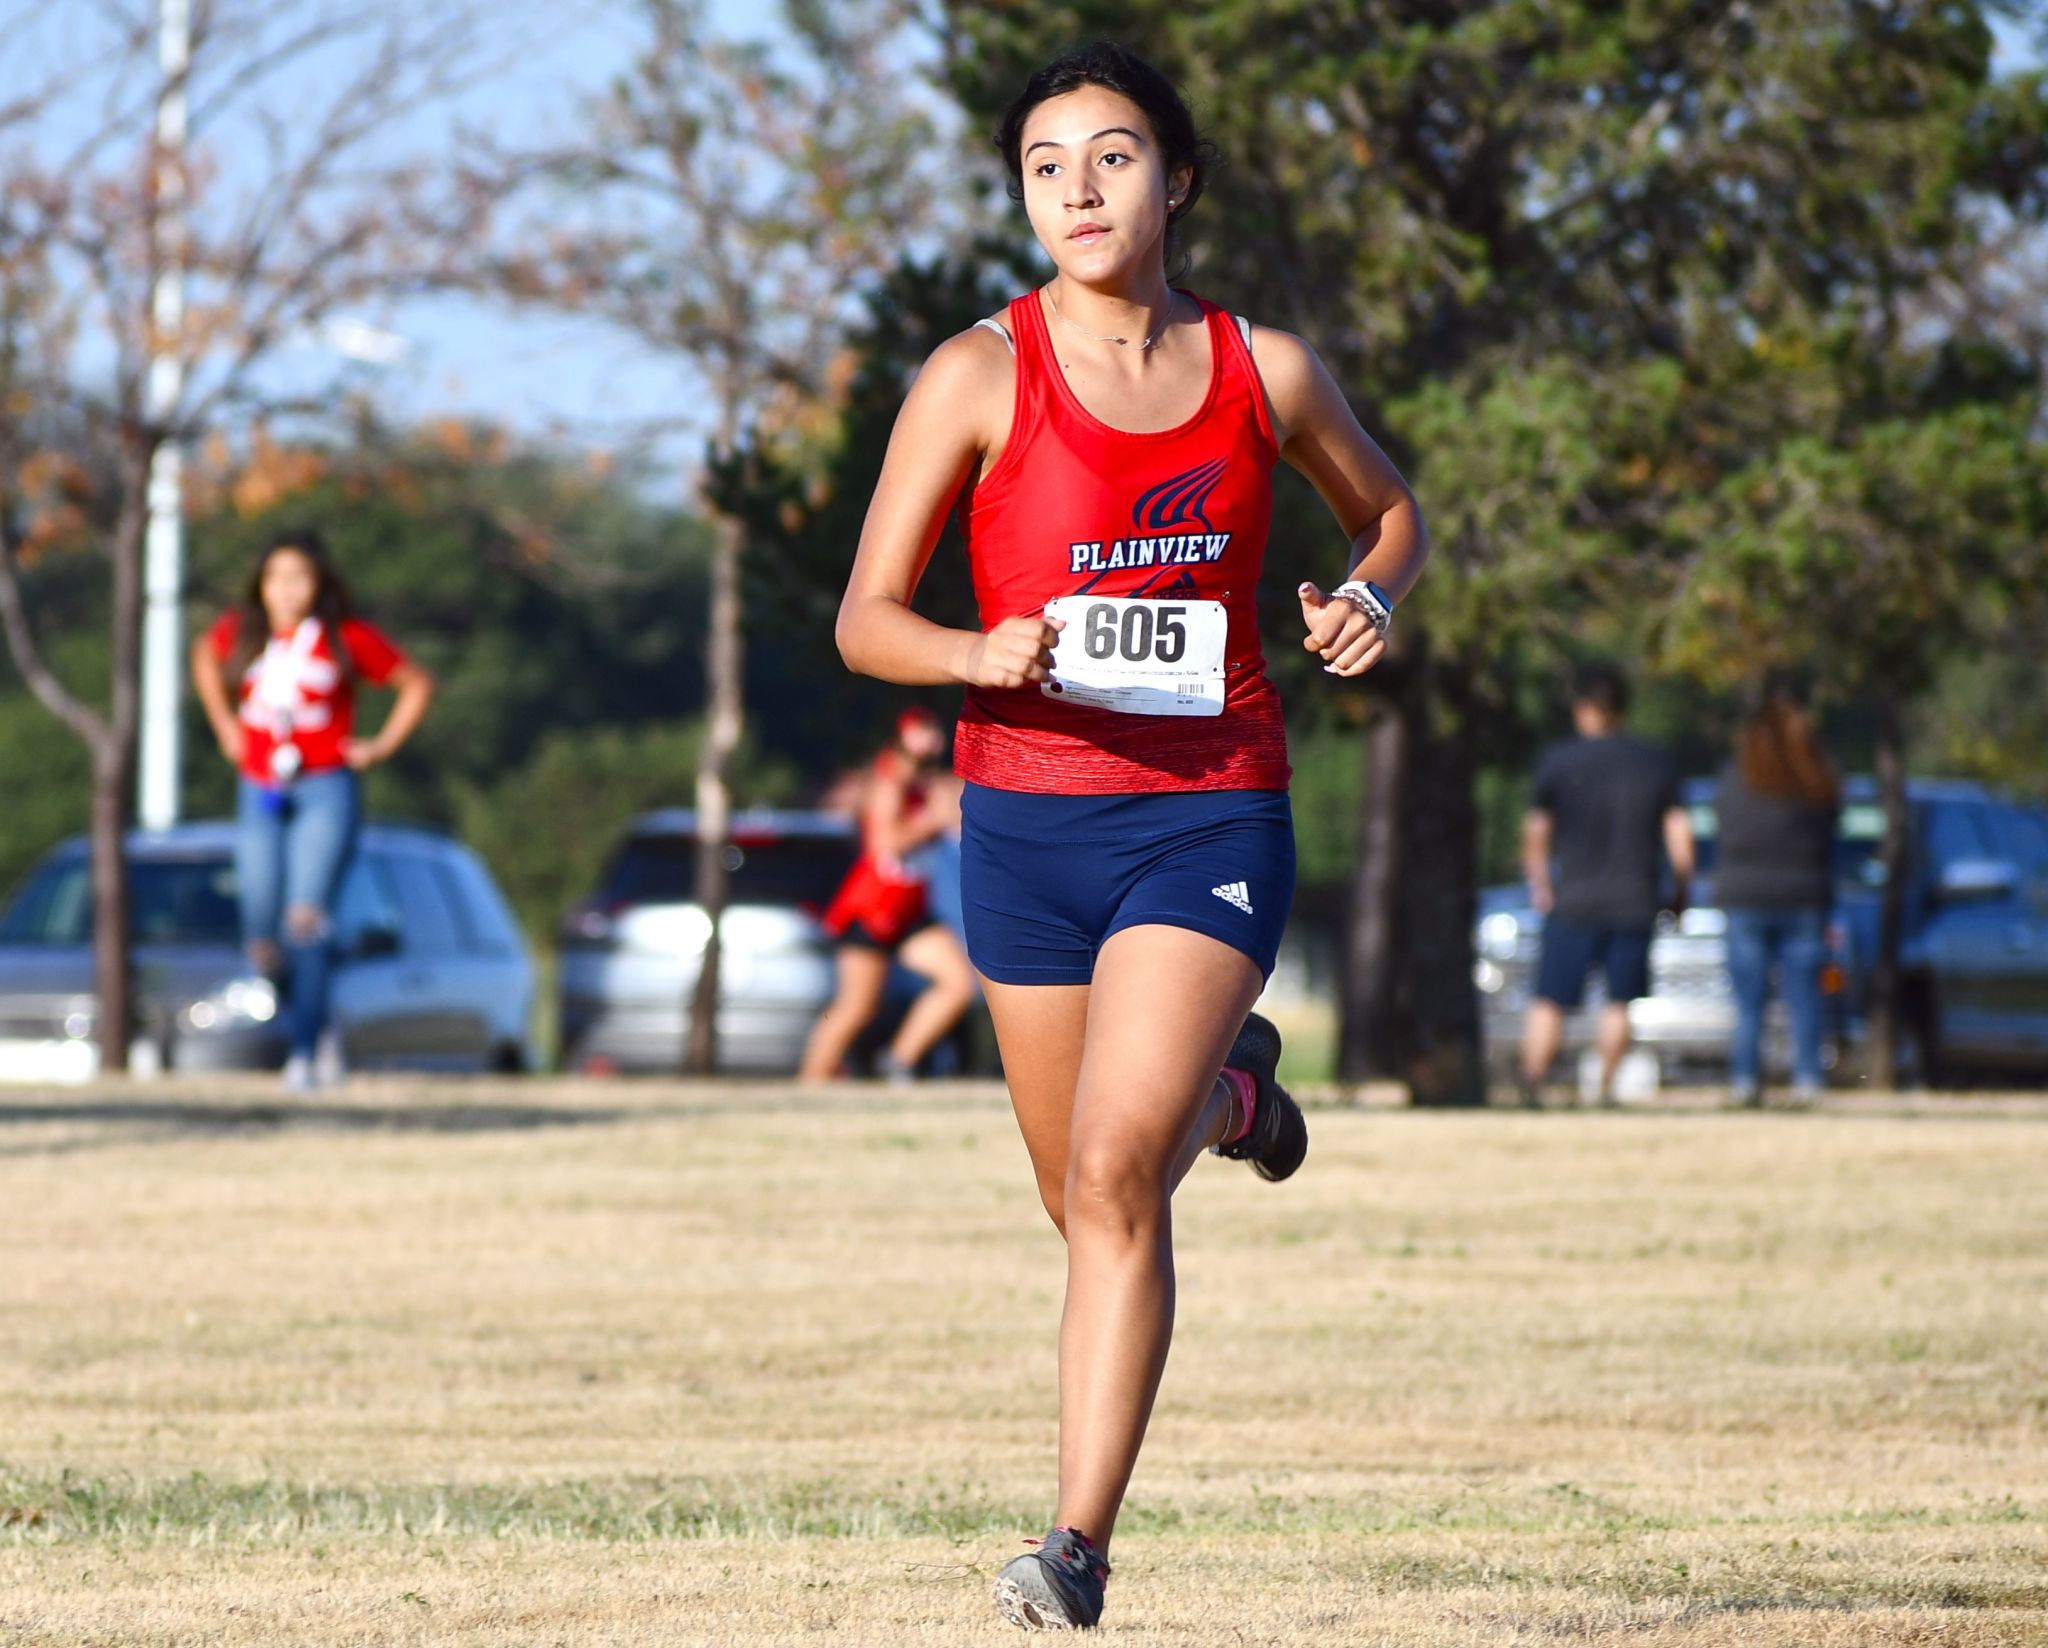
1146, 1102
1039, 1032
1040, 1029
863, 973
936, 954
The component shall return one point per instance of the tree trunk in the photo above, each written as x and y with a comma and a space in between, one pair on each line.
1886, 997
1410, 1010
1439, 893
113, 769
1372, 1041
724, 719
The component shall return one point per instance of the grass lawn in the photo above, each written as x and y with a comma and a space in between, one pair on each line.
623, 1364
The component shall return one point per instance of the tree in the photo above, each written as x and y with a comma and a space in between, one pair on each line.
280, 203
727, 207
1534, 239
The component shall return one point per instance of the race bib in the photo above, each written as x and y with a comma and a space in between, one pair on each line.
1138, 657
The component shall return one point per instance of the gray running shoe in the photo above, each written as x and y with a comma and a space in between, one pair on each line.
1057, 1587
1278, 1139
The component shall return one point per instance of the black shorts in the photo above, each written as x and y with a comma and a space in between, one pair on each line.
1571, 951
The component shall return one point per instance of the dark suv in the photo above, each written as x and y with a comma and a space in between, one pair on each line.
1974, 954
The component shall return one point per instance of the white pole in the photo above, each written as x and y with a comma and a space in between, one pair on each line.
164, 560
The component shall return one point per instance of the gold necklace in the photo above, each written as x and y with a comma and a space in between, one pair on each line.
1095, 337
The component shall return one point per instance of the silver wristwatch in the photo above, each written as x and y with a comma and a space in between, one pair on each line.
1371, 600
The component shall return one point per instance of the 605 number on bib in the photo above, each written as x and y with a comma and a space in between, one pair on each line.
1138, 657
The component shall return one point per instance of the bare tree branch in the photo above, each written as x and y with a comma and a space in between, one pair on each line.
21, 644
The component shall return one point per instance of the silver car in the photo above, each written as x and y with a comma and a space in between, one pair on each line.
433, 972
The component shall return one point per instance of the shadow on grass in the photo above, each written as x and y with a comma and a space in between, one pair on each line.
105, 1119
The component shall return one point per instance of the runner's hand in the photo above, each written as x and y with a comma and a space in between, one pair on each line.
1338, 633
1016, 653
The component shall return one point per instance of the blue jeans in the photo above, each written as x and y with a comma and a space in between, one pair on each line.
1793, 941
291, 849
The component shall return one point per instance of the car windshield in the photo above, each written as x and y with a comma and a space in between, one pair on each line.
175, 901
1858, 832
787, 870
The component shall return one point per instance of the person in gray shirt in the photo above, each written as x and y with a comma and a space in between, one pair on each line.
1606, 810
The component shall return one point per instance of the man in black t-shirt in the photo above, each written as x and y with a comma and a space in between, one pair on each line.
1605, 805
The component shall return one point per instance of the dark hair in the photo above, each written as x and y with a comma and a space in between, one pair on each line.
331, 603
1778, 754
1604, 687
1118, 69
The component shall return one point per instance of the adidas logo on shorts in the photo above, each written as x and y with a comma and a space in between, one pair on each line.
1236, 893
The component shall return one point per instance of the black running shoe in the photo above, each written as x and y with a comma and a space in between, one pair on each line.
1278, 1138
1057, 1587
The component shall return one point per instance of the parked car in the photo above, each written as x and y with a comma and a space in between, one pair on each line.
433, 972
1973, 956
1974, 953
628, 954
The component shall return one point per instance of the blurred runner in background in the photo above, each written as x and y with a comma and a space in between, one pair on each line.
885, 911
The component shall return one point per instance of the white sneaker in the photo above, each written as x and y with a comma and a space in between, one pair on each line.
298, 1074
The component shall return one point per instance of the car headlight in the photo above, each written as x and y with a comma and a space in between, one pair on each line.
1498, 935
236, 1003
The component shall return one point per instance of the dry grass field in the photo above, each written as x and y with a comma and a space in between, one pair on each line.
619, 1365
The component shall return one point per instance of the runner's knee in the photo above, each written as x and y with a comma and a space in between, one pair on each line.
1113, 1187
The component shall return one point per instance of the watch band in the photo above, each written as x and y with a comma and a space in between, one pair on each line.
1371, 600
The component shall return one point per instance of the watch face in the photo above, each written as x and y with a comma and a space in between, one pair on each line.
1382, 597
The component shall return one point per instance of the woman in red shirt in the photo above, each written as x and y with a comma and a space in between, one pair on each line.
1127, 850
883, 913
295, 653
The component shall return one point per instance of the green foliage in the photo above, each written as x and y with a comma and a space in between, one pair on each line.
1329, 780
1601, 277
46, 777
548, 826
803, 503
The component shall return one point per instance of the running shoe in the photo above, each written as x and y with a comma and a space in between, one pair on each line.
1057, 1587
1278, 1137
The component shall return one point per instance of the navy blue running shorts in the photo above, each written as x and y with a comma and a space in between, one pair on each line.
1571, 951
1046, 879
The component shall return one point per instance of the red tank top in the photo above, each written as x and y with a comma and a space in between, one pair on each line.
1075, 507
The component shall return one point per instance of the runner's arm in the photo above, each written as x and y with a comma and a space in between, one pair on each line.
939, 438
1319, 435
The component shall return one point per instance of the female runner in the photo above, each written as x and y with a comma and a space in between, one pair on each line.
883, 912
1127, 848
